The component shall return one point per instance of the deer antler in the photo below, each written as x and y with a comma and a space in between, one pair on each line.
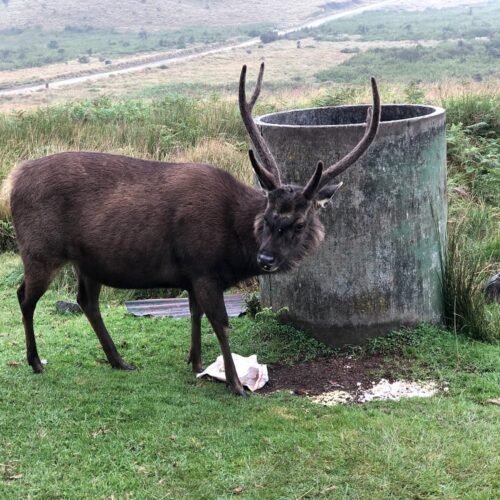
265, 155
373, 120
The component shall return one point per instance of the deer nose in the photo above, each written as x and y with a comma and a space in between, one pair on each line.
265, 260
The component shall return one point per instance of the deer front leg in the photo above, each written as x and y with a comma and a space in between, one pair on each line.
210, 297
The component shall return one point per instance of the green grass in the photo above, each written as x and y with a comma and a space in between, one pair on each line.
429, 24
22, 48
458, 61
153, 129
84, 430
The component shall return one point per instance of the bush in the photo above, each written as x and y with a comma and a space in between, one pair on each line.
269, 36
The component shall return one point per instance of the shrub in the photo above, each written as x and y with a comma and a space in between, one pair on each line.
269, 36
414, 93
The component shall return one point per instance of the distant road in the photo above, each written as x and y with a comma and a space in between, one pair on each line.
64, 82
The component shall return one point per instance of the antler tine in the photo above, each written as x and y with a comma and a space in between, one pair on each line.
373, 121
258, 141
258, 86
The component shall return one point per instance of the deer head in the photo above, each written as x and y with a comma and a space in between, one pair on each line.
289, 228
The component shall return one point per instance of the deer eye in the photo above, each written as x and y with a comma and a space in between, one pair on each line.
299, 227
280, 231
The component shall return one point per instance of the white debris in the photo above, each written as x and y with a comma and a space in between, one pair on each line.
394, 391
332, 398
381, 391
251, 374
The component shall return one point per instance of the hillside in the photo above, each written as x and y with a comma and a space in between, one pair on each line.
132, 15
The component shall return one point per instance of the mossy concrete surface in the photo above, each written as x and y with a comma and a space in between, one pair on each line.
379, 267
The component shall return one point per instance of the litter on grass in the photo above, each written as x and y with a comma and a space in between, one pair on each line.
381, 391
251, 374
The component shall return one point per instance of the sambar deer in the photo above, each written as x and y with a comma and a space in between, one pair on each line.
131, 223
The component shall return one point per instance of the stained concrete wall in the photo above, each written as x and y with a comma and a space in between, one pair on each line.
380, 264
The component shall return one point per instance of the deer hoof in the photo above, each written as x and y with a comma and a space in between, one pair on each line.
121, 365
241, 392
37, 366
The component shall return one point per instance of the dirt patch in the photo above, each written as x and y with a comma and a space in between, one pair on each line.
348, 374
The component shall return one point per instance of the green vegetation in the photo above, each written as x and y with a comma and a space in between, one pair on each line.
429, 24
84, 430
463, 282
183, 128
152, 129
474, 230
23, 48
474, 144
460, 61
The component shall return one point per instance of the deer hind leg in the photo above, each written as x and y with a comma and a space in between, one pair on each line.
211, 300
195, 351
88, 300
37, 278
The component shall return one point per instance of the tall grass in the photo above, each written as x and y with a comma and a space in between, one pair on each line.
149, 129
463, 290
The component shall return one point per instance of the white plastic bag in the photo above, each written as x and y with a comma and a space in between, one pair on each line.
250, 372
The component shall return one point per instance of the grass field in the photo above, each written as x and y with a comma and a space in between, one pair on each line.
84, 430
458, 61
35, 47
132, 15
462, 22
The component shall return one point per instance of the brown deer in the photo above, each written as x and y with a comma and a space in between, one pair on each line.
131, 223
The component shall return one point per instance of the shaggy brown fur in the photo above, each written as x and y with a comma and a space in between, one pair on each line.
131, 223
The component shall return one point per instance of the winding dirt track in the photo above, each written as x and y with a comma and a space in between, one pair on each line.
64, 82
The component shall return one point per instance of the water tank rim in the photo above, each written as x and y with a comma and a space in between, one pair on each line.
434, 112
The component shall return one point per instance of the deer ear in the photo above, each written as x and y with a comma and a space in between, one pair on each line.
325, 194
266, 179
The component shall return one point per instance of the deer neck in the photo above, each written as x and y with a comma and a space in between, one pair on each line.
250, 208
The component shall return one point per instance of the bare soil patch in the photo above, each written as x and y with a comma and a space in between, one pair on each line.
350, 374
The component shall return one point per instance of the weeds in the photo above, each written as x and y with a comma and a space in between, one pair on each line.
462, 288
479, 111
275, 341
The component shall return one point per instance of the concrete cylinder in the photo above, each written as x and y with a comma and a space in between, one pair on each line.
379, 267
